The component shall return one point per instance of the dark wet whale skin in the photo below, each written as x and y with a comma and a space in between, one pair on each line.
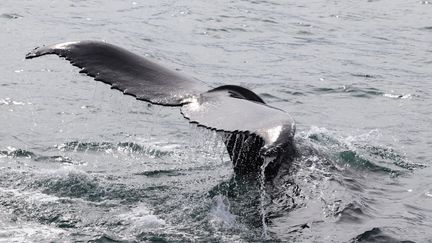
253, 132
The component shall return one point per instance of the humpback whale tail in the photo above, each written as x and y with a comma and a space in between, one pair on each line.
253, 130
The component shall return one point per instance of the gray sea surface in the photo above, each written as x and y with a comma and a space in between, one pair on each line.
82, 163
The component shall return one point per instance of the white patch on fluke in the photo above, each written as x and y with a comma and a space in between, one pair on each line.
193, 104
273, 133
65, 45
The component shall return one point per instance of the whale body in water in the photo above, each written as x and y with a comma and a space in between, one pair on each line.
256, 135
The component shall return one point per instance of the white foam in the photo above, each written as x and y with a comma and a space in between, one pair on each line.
29, 196
316, 130
28, 232
9, 101
13, 229
141, 217
398, 96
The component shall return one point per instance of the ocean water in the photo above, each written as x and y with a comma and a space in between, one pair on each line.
82, 163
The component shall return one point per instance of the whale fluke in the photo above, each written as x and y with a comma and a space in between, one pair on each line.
253, 131
220, 110
126, 71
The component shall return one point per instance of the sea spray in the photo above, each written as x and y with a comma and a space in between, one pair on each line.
221, 214
263, 195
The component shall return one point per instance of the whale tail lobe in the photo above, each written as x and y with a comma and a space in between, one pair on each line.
126, 71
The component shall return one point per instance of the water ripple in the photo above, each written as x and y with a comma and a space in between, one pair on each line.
123, 147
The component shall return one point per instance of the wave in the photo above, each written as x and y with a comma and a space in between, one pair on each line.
358, 152
123, 147
360, 92
377, 235
15, 153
